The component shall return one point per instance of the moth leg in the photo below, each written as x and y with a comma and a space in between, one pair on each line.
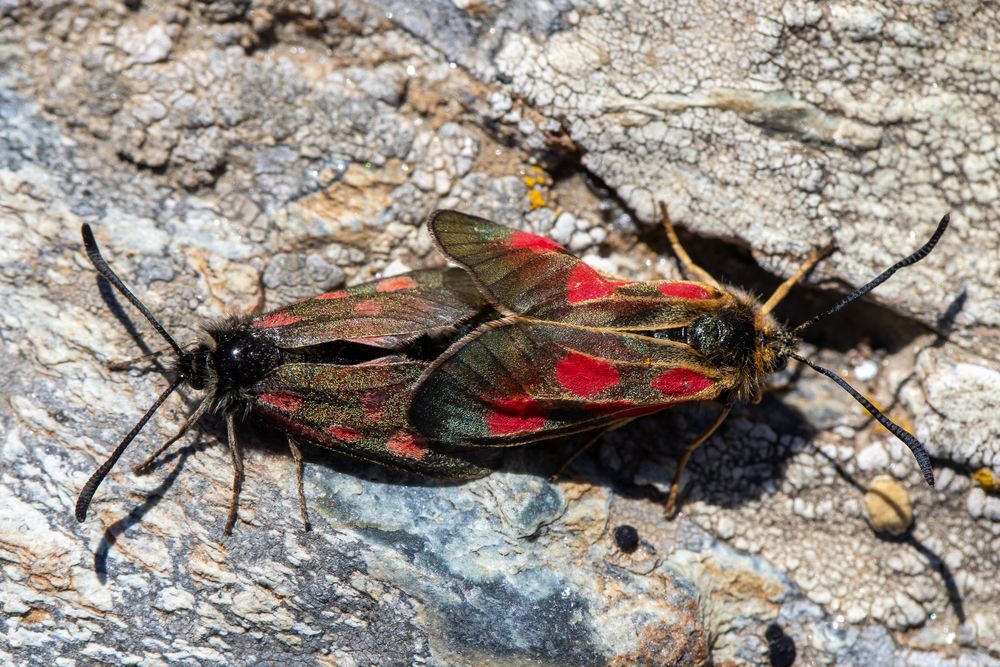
690, 268
783, 288
237, 453
124, 364
297, 455
675, 486
143, 467
554, 477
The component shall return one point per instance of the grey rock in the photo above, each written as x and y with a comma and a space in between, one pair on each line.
235, 155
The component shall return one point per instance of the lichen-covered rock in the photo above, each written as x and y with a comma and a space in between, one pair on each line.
235, 155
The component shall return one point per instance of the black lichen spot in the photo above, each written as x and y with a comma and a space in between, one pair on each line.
627, 538
780, 647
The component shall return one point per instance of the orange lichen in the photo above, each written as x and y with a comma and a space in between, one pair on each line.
985, 478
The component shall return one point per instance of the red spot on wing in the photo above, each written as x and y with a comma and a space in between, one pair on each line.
373, 404
515, 414
367, 307
395, 284
685, 290
681, 382
524, 241
275, 320
339, 294
345, 433
406, 445
585, 376
584, 283
281, 401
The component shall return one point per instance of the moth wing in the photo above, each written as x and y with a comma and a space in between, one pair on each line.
526, 274
358, 410
383, 313
517, 380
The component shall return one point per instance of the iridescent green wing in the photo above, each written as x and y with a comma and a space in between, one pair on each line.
384, 313
526, 274
516, 381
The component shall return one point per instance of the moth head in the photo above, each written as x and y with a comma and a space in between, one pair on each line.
194, 368
775, 346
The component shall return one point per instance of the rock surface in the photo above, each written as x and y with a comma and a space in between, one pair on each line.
232, 154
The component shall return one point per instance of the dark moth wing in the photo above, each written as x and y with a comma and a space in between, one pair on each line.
518, 380
385, 313
358, 410
525, 274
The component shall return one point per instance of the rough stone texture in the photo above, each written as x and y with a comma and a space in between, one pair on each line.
237, 154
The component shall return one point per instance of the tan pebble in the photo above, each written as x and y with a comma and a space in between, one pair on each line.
887, 504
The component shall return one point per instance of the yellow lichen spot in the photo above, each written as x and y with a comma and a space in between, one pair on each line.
536, 199
985, 478
888, 506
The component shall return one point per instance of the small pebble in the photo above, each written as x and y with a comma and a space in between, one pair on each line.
887, 503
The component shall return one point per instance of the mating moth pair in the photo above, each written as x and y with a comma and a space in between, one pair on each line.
524, 342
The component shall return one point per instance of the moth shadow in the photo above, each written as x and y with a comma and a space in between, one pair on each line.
136, 514
934, 560
741, 462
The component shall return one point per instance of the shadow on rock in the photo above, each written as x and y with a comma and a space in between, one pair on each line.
112, 533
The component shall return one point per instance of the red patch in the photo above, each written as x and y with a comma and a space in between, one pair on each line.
685, 290
585, 376
367, 307
584, 283
681, 382
339, 294
524, 241
275, 320
511, 415
395, 284
373, 404
406, 445
281, 401
344, 433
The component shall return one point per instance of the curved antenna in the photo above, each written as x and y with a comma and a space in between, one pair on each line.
882, 277
94, 253
87, 494
923, 459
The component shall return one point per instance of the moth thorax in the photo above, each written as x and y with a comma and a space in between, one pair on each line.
726, 338
244, 359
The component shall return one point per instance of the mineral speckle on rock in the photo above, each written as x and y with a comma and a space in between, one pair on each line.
237, 155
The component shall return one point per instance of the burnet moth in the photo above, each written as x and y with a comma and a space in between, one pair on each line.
578, 352
336, 370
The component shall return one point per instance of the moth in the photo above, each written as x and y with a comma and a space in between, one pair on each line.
575, 351
336, 370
